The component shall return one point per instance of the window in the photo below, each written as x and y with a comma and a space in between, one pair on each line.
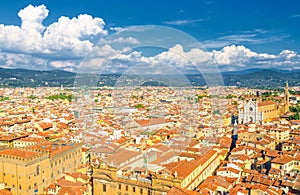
141, 191
120, 186
20, 187
133, 189
104, 187
149, 192
126, 188
38, 170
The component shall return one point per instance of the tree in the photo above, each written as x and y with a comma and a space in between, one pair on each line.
32, 97
139, 106
229, 96
296, 116
216, 112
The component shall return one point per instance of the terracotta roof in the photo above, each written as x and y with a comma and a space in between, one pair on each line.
266, 103
18, 153
284, 159
74, 190
31, 139
153, 121
54, 148
66, 183
180, 191
5, 192
79, 175
120, 156
228, 169
184, 168
212, 182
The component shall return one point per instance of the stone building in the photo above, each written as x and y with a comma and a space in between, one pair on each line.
30, 170
256, 112
184, 174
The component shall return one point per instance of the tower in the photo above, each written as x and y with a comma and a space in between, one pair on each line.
286, 99
234, 135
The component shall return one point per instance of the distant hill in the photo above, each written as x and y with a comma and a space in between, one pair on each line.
35, 78
256, 78
261, 78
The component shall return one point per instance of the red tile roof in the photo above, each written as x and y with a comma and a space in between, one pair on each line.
18, 153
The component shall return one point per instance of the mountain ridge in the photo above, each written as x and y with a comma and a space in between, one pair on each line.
255, 77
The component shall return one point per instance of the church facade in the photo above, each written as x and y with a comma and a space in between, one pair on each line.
250, 113
254, 112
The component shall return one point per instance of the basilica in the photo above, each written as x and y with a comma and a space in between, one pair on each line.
258, 112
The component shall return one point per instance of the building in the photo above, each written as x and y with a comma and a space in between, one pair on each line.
107, 180
30, 170
8, 140
181, 174
283, 163
258, 112
24, 172
27, 141
286, 100
250, 113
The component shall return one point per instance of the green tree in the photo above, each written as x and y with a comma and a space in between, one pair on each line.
139, 106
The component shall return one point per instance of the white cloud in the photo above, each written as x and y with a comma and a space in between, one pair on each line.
63, 64
12, 60
295, 16
64, 43
73, 34
129, 40
185, 22
32, 17
256, 36
288, 54
66, 39
236, 57
67, 36
232, 54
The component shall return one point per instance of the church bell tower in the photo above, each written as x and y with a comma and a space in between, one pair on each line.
286, 99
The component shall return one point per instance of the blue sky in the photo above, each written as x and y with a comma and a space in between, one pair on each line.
236, 34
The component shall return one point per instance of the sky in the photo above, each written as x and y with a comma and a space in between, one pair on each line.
234, 34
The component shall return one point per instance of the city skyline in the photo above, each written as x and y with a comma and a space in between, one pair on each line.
149, 97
